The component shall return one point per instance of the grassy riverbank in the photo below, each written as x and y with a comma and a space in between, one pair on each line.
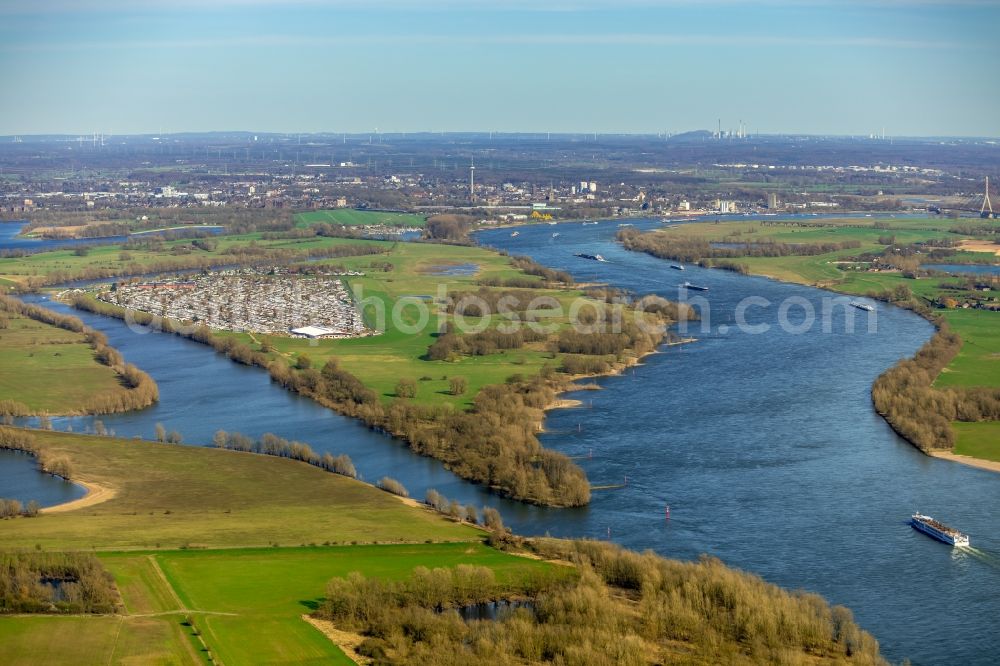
849, 270
35, 361
173, 496
52, 364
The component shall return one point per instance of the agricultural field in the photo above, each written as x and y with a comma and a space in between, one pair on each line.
239, 605
352, 218
29, 640
35, 360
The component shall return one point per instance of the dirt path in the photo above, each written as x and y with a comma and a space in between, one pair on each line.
95, 495
166, 582
979, 246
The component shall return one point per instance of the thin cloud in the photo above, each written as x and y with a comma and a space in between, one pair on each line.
35, 7
537, 39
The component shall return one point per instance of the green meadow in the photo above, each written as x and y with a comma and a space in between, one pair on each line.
35, 360
979, 440
978, 363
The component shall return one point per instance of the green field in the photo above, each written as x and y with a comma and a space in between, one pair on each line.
172, 496
246, 604
979, 440
35, 361
104, 639
978, 363
351, 217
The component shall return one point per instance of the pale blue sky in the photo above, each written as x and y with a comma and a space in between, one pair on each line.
916, 67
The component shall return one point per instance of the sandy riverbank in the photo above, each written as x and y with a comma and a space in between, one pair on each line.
991, 465
96, 494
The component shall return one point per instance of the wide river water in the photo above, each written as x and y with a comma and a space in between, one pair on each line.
765, 447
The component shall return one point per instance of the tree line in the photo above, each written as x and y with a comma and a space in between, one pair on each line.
12, 508
614, 607
140, 390
449, 344
904, 394
692, 250
550, 276
270, 444
468, 513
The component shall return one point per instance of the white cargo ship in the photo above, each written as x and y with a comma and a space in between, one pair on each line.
939, 531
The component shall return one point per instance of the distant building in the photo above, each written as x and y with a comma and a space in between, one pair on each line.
724, 206
772, 201
684, 205
313, 331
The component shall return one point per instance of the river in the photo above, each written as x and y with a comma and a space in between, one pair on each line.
765, 447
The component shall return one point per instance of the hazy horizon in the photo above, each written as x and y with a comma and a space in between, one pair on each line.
478, 133
913, 68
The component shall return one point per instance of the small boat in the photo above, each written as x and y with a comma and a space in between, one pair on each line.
677, 267
939, 531
862, 306
552, 224
688, 285
515, 234
586, 223
555, 235
592, 257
